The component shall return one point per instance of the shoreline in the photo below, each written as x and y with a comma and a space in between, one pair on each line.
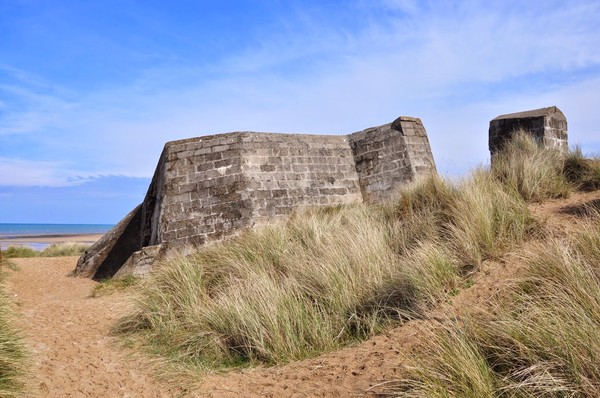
47, 239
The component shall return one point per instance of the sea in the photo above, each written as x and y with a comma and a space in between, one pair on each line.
22, 231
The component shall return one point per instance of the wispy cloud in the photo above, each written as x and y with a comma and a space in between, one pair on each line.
30, 104
455, 65
21, 172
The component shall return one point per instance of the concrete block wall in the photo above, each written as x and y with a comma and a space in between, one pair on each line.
216, 184
547, 125
284, 172
204, 190
388, 156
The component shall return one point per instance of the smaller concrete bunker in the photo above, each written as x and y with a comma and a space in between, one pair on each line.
207, 188
547, 125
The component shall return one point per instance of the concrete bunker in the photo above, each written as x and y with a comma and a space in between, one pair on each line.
547, 125
207, 188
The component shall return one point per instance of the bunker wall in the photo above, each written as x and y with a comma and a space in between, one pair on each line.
209, 187
284, 172
205, 194
388, 156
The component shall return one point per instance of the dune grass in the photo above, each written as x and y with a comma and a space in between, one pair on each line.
582, 171
541, 340
64, 249
329, 276
13, 355
13, 358
276, 294
54, 250
487, 219
110, 286
535, 173
19, 252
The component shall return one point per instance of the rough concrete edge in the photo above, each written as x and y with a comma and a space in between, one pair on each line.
534, 113
397, 126
92, 258
131, 267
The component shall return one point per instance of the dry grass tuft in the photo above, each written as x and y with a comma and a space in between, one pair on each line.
110, 286
487, 219
13, 358
64, 249
19, 252
535, 173
583, 172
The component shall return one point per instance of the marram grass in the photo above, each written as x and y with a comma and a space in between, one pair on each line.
277, 294
13, 357
535, 173
64, 249
326, 278
541, 341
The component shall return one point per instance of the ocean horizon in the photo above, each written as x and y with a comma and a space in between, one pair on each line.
17, 234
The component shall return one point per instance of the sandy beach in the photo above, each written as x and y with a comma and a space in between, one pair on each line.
25, 240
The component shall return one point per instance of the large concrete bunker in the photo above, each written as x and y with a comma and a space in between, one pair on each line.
210, 187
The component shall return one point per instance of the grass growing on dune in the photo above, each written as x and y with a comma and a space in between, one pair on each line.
64, 249
276, 294
541, 341
329, 277
54, 250
19, 252
13, 358
535, 173
583, 172
487, 219
110, 286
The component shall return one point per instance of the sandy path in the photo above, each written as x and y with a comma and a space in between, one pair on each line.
68, 334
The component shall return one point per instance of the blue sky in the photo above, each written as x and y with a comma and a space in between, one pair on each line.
91, 90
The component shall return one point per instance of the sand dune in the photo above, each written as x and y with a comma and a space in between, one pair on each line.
75, 356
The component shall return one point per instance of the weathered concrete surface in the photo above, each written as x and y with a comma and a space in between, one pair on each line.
210, 187
107, 255
140, 263
547, 125
388, 156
